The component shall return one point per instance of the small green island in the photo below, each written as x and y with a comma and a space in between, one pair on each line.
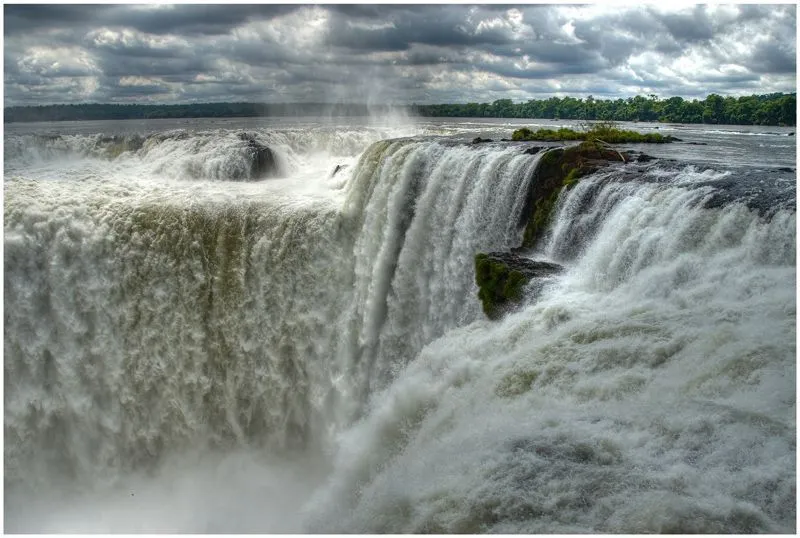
607, 132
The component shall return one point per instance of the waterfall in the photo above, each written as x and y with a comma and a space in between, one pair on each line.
650, 389
314, 338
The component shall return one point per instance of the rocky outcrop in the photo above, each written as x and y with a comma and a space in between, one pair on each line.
558, 169
532, 150
262, 159
501, 277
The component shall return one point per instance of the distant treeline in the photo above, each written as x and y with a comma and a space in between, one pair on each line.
770, 109
196, 110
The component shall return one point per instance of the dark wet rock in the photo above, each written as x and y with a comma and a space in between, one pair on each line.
479, 140
263, 162
790, 134
501, 277
786, 169
643, 158
533, 150
528, 267
697, 143
262, 159
339, 168
764, 191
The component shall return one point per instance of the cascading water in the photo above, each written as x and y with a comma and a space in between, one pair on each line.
421, 210
154, 317
141, 328
307, 353
650, 390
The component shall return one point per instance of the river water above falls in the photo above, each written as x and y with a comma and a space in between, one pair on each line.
260, 325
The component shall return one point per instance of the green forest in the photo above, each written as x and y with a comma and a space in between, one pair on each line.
769, 109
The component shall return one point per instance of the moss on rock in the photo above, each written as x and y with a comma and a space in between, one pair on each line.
501, 278
559, 169
492, 278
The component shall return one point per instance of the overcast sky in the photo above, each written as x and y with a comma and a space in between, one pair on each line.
392, 53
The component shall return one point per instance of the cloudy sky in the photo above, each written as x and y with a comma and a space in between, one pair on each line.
392, 53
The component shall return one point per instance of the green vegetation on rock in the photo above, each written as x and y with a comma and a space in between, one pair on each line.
606, 132
542, 210
547, 134
572, 177
498, 284
560, 169
501, 277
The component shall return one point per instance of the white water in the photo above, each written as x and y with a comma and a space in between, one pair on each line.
651, 390
185, 354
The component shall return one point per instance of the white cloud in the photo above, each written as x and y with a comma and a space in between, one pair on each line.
57, 62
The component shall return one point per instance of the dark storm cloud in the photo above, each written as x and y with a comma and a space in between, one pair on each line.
688, 27
370, 11
22, 19
401, 53
773, 57
181, 19
633, 32
402, 27
202, 19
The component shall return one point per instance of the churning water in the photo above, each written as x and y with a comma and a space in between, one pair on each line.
239, 327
